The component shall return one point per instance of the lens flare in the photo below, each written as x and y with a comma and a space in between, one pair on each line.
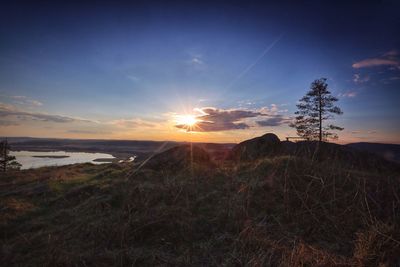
187, 120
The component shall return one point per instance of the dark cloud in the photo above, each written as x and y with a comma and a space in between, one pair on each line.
8, 123
214, 119
87, 132
274, 120
7, 110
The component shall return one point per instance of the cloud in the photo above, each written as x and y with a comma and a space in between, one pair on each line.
214, 119
133, 78
197, 61
22, 100
374, 62
388, 59
87, 132
348, 94
357, 78
391, 53
273, 110
6, 123
274, 120
9, 110
131, 123
364, 132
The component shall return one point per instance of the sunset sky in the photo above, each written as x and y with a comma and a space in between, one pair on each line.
133, 71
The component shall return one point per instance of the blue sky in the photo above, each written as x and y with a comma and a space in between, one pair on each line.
125, 71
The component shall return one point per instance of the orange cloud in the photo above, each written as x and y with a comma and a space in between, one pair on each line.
375, 62
388, 59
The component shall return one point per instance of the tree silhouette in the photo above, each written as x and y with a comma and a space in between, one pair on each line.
7, 161
314, 108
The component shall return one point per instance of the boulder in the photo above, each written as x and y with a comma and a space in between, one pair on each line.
180, 157
266, 145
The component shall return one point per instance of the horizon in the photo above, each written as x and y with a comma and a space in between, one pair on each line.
203, 72
172, 141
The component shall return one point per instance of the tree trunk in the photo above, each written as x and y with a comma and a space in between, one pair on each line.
320, 114
5, 154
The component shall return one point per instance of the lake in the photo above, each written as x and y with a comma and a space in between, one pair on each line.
33, 159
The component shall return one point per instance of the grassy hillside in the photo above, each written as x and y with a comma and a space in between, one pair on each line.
278, 210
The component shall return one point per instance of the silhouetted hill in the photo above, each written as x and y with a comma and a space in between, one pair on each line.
388, 151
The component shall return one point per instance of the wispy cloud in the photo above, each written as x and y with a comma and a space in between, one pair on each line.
132, 123
197, 61
363, 132
358, 78
133, 78
21, 100
388, 59
24, 100
7, 110
8, 123
274, 120
392, 53
348, 94
95, 132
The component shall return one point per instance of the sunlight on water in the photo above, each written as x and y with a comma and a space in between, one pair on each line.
32, 159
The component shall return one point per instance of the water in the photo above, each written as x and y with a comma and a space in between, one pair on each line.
130, 159
28, 159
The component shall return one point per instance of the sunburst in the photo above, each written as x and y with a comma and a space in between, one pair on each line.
187, 120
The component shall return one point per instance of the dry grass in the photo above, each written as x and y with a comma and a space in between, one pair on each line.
281, 211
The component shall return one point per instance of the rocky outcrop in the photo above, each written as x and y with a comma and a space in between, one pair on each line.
266, 145
180, 157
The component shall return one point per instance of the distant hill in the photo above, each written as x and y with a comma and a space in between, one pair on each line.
118, 148
254, 148
388, 151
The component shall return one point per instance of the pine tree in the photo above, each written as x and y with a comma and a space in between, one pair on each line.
314, 108
7, 161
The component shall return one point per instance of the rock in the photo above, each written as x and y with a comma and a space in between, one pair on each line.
266, 145
180, 157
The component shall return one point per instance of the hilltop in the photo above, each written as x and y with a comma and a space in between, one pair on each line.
270, 203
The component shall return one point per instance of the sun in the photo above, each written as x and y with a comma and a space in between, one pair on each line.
187, 120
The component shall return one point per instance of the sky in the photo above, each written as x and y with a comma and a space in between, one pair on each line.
136, 70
